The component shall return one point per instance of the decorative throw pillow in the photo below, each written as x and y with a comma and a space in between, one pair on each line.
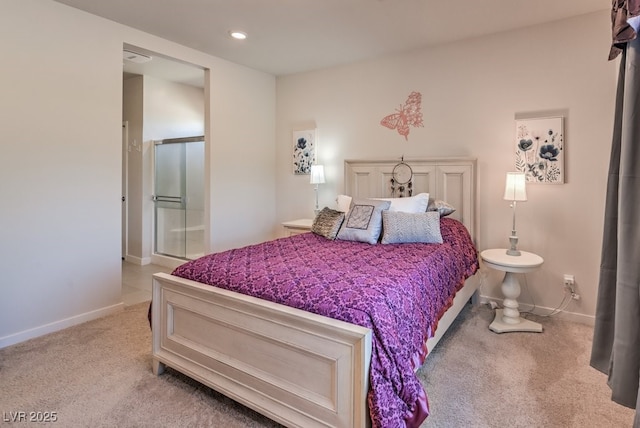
363, 222
410, 204
400, 227
327, 223
441, 206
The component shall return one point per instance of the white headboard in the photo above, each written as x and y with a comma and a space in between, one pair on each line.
451, 179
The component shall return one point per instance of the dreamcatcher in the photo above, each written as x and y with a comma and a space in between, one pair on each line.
401, 180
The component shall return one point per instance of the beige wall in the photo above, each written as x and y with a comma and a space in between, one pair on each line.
471, 93
60, 169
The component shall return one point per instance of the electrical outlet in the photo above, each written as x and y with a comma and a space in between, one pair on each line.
569, 281
570, 286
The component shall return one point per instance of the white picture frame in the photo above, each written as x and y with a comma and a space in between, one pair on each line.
304, 151
539, 149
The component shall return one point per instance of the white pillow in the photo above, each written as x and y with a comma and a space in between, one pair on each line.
344, 202
410, 204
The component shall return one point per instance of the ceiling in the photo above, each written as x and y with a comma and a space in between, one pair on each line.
292, 36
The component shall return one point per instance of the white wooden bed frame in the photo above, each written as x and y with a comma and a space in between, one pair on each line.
297, 368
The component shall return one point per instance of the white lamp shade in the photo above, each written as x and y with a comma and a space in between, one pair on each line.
317, 174
515, 188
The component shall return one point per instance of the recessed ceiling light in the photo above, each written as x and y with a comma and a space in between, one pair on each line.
238, 35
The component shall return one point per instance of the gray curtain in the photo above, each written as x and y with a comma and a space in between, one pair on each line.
616, 340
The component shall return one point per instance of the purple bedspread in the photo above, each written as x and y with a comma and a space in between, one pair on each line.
399, 291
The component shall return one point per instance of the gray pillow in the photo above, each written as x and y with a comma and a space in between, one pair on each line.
327, 223
441, 206
363, 222
401, 227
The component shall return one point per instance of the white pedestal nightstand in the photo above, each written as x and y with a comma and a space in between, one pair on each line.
509, 319
295, 227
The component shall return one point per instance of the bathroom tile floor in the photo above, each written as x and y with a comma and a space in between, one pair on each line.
136, 282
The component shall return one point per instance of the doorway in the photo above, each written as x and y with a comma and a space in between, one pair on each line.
163, 98
146, 118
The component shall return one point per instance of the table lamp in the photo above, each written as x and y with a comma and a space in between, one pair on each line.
515, 191
317, 177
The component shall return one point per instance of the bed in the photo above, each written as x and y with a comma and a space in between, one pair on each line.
293, 363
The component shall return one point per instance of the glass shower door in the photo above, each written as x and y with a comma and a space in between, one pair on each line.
179, 197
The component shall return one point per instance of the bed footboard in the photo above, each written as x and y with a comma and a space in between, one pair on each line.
297, 368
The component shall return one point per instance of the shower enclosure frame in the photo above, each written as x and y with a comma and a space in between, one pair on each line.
175, 235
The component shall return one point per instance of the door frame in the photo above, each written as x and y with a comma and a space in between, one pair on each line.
125, 189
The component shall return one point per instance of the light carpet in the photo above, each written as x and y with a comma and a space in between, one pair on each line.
98, 374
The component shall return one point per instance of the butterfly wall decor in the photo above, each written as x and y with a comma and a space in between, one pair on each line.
409, 114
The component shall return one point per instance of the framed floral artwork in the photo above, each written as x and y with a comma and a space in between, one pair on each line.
304, 151
540, 149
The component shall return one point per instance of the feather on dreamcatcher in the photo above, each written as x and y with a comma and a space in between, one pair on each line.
409, 114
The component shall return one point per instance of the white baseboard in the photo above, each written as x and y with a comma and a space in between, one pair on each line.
543, 310
166, 261
137, 260
58, 325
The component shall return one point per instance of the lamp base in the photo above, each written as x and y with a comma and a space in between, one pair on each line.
317, 209
513, 251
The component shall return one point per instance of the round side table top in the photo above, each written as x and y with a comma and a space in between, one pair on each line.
498, 258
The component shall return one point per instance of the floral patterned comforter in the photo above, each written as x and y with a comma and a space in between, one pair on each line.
399, 291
